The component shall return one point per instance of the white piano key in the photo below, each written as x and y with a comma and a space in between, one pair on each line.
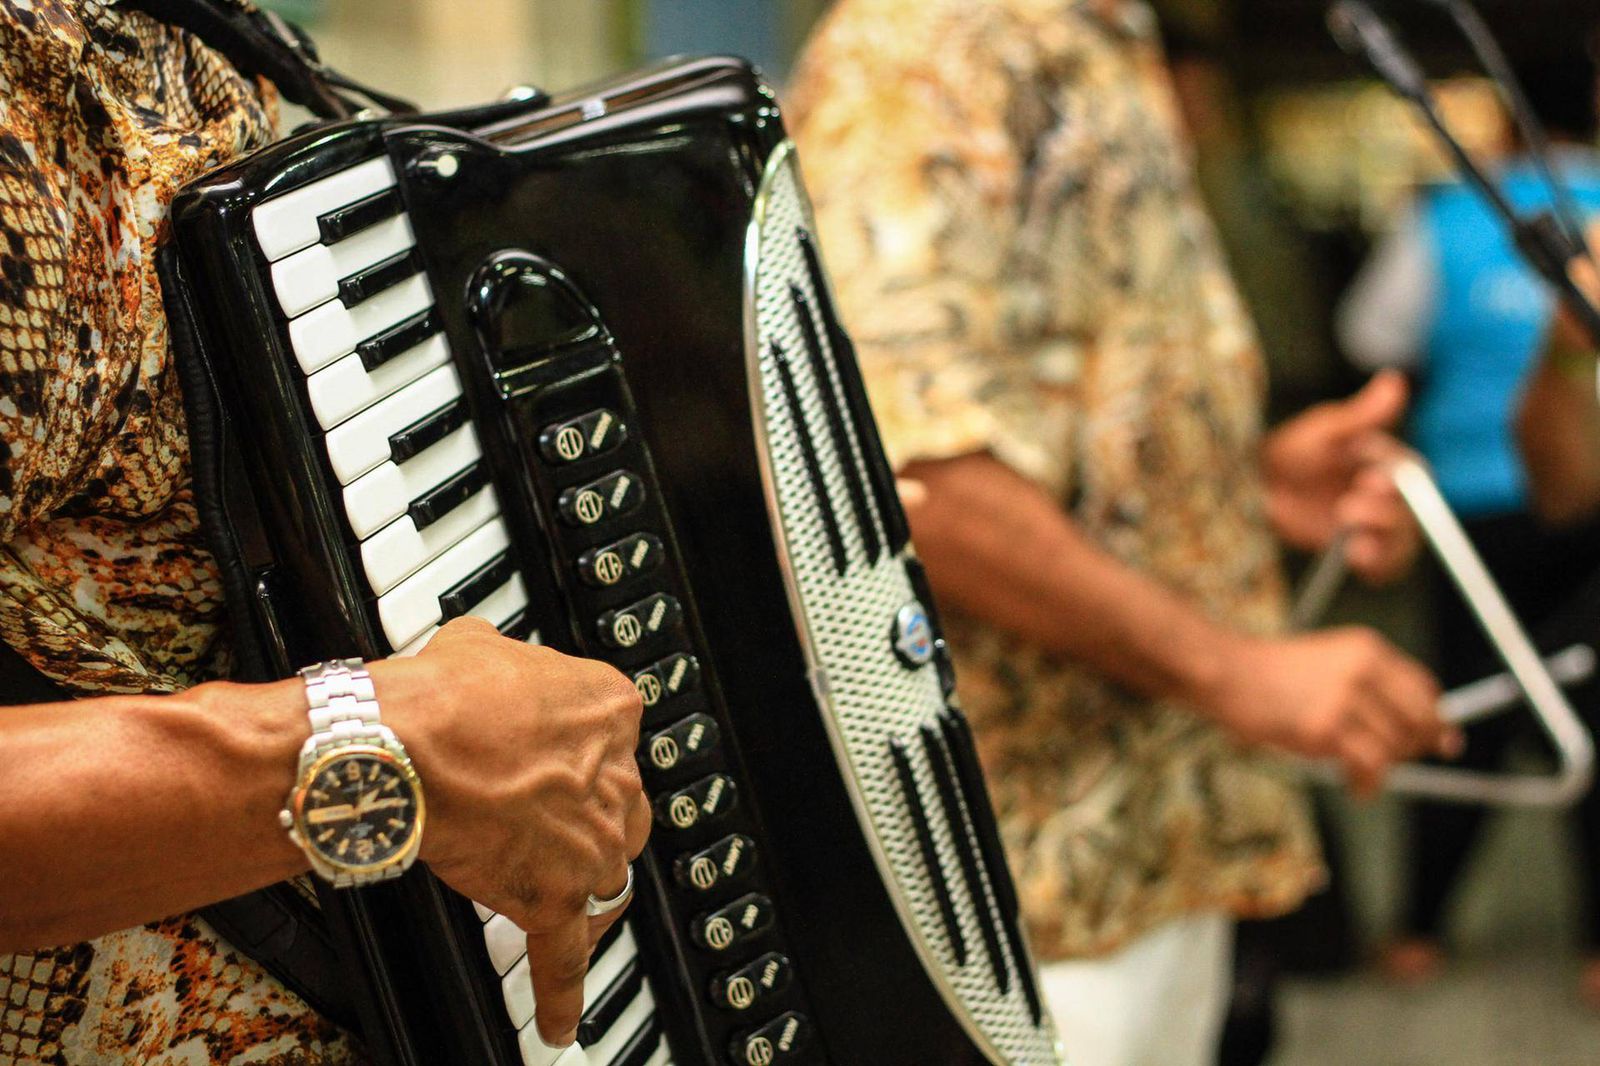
344, 387
484, 913
506, 943
517, 988
534, 1050
360, 444
605, 969
381, 495
413, 605
535, 1053
662, 1057
330, 330
287, 223
395, 552
498, 608
638, 1013
517, 984
576, 1056
311, 276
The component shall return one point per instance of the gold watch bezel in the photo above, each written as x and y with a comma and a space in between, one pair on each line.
383, 754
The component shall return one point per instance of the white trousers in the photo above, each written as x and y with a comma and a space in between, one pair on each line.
1159, 1001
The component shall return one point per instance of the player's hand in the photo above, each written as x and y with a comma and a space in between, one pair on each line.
534, 801
1326, 473
1341, 694
1566, 332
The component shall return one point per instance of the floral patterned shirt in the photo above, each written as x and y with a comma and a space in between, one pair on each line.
104, 583
1022, 258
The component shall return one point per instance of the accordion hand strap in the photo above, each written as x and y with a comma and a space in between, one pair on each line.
261, 43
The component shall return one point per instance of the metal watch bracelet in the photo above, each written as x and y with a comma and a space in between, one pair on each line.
343, 709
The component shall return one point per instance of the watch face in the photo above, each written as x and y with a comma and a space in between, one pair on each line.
360, 810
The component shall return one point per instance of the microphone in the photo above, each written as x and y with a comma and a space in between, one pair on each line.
1361, 31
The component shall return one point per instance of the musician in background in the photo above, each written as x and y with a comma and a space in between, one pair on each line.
157, 790
1447, 297
1058, 356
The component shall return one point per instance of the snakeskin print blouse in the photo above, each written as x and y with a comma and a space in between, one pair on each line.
1021, 255
104, 584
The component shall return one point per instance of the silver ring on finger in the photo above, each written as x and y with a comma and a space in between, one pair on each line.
597, 907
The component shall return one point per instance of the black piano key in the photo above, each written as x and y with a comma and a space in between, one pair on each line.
855, 394
945, 784
638, 1050
445, 497
377, 277
427, 431
833, 405
607, 938
519, 626
930, 853
475, 587
808, 452
399, 338
344, 221
608, 1006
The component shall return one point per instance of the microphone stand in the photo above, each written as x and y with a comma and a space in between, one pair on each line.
1540, 238
1494, 61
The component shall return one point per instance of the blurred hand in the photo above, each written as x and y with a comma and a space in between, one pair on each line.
1325, 473
1342, 694
534, 798
1566, 334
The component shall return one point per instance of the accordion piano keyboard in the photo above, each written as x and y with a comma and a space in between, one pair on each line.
432, 543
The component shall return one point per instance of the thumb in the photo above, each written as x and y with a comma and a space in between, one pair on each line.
1378, 406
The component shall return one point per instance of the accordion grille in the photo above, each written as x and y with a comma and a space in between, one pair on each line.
881, 712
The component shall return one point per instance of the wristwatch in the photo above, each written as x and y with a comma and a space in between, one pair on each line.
357, 805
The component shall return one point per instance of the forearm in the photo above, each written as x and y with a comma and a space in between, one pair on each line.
999, 549
121, 810
1558, 427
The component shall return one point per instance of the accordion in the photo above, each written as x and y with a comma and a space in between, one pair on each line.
571, 365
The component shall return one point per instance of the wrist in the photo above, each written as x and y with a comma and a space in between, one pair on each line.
1206, 660
256, 732
410, 695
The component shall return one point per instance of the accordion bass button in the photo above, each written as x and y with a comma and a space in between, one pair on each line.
706, 799
682, 743
753, 983
639, 622
723, 861
672, 676
727, 927
610, 497
784, 1039
628, 558
587, 435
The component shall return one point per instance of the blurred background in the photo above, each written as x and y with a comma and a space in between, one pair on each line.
1305, 162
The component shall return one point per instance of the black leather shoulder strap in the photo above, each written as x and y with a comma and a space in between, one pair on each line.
264, 44
280, 927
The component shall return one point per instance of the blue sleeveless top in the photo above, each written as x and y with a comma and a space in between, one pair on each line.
1490, 315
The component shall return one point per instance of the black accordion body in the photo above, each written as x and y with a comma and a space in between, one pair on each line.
572, 365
